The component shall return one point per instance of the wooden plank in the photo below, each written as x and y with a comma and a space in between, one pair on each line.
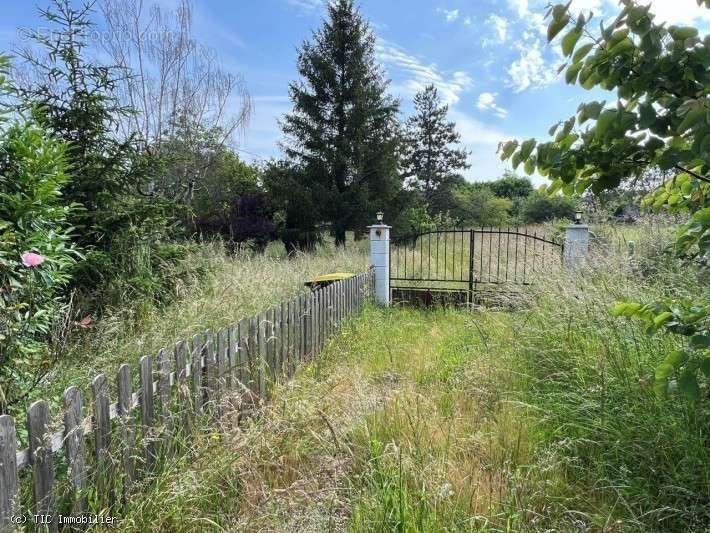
269, 337
242, 373
288, 339
309, 327
127, 427
332, 309
197, 372
8, 472
316, 326
75, 448
42, 462
261, 354
253, 352
147, 410
283, 356
164, 386
298, 340
182, 390
231, 359
321, 321
221, 361
102, 438
277, 341
210, 370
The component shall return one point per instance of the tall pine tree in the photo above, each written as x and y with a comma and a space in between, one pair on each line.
431, 160
343, 130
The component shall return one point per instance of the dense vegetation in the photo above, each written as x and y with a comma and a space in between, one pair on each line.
660, 120
112, 174
128, 220
537, 419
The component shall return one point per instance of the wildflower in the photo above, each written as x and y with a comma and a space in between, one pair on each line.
31, 259
446, 491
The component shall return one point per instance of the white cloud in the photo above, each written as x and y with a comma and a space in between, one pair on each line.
531, 69
487, 102
500, 27
306, 5
411, 74
449, 14
520, 6
468, 21
679, 11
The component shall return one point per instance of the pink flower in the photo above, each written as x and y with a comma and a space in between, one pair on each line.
31, 259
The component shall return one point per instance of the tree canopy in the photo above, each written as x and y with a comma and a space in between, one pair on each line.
343, 128
430, 158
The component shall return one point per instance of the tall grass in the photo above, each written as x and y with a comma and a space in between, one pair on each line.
538, 419
628, 460
234, 287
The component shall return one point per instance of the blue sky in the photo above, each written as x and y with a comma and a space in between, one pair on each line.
489, 59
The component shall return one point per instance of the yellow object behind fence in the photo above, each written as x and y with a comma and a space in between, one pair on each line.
327, 279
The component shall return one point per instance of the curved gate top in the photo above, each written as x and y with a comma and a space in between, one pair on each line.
463, 265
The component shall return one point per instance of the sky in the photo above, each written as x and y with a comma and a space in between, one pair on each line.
489, 59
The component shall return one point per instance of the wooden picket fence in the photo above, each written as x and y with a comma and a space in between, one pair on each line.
106, 451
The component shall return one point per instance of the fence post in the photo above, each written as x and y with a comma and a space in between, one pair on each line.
576, 245
380, 259
42, 463
8, 471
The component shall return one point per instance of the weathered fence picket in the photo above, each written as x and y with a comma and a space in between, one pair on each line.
147, 410
8, 471
127, 428
42, 462
197, 371
102, 438
248, 357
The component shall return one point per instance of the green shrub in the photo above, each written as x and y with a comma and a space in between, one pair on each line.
542, 208
36, 254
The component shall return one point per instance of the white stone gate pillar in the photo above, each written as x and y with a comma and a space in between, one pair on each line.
380, 259
576, 244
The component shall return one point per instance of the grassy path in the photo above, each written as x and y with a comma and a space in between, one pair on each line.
535, 420
396, 428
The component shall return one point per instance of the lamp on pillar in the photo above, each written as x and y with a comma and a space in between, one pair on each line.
380, 258
576, 245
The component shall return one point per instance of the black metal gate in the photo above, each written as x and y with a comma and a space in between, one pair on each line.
466, 265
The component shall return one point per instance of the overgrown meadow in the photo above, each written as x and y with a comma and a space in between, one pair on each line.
540, 417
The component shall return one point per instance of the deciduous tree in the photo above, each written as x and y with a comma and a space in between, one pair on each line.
659, 117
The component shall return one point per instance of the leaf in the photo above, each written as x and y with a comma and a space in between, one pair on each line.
507, 149
526, 149
530, 166
681, 33
660, 387
677, 358
662, 318
572, 72
582, 52
621, 47
570, 40
556, 26
604, 122
664, 370
688, 385
691, 118
700, 342
705, 367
